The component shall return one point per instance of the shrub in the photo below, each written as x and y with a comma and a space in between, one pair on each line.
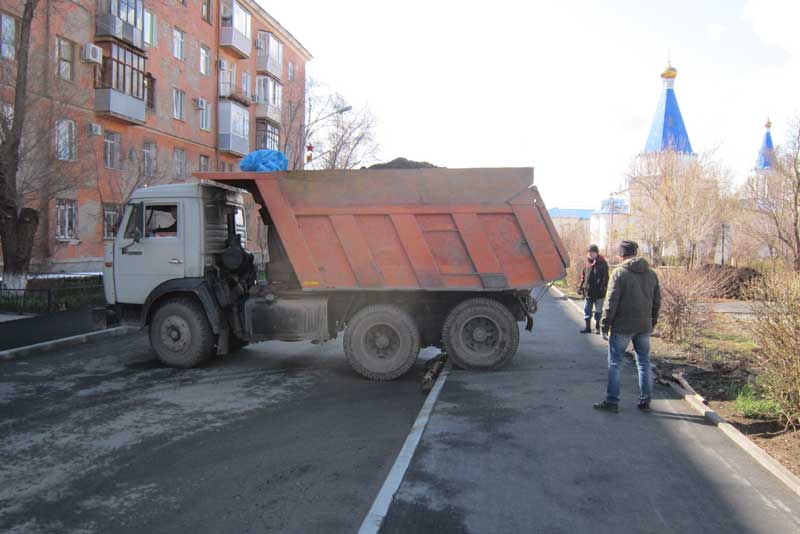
776, 330
683, 295
752, 404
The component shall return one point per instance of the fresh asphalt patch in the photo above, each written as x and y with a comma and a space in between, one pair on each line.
522, 450
277, 438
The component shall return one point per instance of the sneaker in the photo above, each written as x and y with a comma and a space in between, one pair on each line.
607, 406
644, 406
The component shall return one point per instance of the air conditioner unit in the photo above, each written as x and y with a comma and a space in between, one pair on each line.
199, 103
259, 44
254, 97
95, 129
222, 64
92, 54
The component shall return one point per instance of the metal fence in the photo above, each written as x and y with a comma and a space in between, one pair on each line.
49, 300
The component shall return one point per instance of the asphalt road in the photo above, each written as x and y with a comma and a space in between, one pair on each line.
278, 438
522, 450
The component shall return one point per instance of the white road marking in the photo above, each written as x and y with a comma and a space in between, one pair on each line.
380, 507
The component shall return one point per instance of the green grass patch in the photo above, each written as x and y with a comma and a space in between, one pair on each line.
752, 404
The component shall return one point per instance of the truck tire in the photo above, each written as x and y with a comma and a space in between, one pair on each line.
480, 333
180, 333
381, 342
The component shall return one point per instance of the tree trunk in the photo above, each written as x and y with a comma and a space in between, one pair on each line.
17, 237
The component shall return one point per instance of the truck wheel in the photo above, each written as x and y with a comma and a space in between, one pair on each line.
180, 333
381, 342
480, 333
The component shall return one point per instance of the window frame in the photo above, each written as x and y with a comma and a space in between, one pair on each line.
66, 219
206, 8
246, 83
149, 159
124, 70
71, 140
243, 16
178, 40
178, 104
5, 51
205, 60
205, 115
111, 233
150, 28
175, 152
112, 150
61, 60
290, 71
204, 159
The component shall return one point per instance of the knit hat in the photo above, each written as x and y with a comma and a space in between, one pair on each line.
593, 248
628, 248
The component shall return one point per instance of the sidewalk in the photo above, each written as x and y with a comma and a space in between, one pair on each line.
522, 450
5, 317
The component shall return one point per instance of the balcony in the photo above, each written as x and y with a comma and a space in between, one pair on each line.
267, 64
265, 110
228, 91
234, 128
110, 25
120, 105
233, 39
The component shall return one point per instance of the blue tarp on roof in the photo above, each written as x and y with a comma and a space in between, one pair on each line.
767, 152
570, 213
668, 131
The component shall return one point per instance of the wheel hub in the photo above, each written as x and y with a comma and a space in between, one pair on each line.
175, 333
481, 334
382, 341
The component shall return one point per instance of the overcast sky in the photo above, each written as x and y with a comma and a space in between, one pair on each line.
568, 87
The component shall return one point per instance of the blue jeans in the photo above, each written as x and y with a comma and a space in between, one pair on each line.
587, 308
617, 344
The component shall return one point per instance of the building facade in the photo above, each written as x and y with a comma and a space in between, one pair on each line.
139, 92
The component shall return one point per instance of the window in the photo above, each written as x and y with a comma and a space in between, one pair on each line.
178, 101
261, 89
227, 80
240, 122
290, 71
65, 139
275, 49
267, 135
204, 163
8, 36
179, 161
131, 11
65, 59
112, 144
160, 220
262, 38
123, 70
150, 91
66, 219
241, 20
205, 10
150, 29
178, 44
246, 84
205, 114
149, 159
275, 92
110, 220
205, 60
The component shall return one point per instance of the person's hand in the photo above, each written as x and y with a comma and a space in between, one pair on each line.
581, 291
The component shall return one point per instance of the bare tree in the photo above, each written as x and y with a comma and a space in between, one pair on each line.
678, 201
773, 202
343, 138
39, 145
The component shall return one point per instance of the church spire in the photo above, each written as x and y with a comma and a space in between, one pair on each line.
668, 131
767, 150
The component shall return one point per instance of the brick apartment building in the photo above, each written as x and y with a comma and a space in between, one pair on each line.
143, 92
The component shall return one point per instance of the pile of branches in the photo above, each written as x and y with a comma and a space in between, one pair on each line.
736, 280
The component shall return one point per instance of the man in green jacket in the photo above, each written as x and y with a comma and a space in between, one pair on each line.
630, 313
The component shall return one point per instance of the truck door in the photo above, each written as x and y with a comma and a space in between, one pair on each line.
158, 255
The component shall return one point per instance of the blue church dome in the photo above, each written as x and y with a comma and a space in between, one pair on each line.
767, 151
668, 131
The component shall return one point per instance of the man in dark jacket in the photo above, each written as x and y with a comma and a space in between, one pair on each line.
593, 284
630, 313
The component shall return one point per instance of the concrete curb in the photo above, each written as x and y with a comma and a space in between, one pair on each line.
789, 479
757, 453
64, 342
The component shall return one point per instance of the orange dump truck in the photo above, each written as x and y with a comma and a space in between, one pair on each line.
396, 259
